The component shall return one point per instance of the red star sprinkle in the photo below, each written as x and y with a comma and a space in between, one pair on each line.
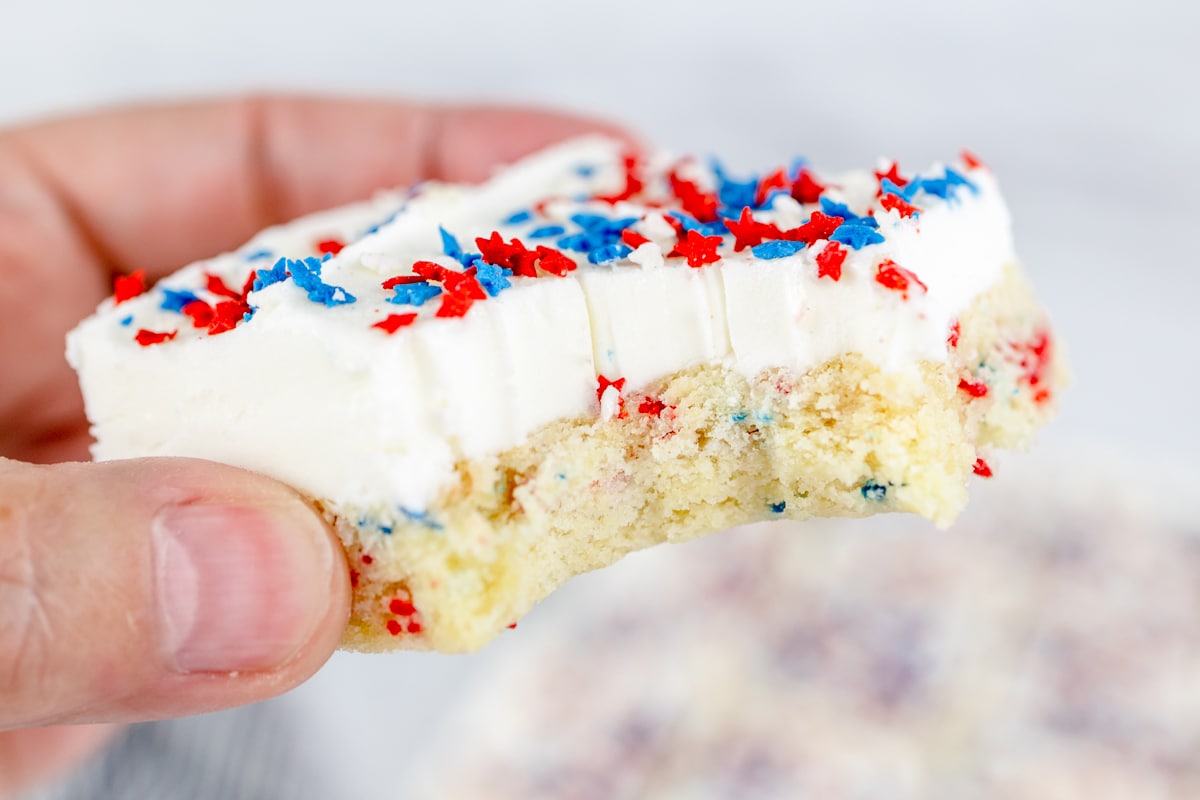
414, 627
399, 279
541, 205
973, 388
462, 290
830, 260
394, 627
454, 305
428, 270
893, 203
893, 175
330, 246
219, 287
698, 248
510, 255
555, 261
952, 339
127, 287
146, 338
701, 205
462, 283
353, 579
806, 189
769, 183
1035, 359
981, 468
401, 607
366, 559
226, 316
633, 182
632, 238
895, 277
495, 250
526, 263
819, 226
248, 286
652, 406
394, 322
971, 160
200, 312
1040, 349
749, 232
602, 384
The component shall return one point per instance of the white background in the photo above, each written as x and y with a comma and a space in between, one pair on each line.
1087, 111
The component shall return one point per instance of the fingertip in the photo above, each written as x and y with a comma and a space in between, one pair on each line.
469, 143
244, 587
184, 586
213, 173
251, 589
263, 580
321, 152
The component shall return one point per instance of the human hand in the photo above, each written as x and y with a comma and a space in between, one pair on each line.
155, 588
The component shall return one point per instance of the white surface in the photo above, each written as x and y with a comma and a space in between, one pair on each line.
1086, 111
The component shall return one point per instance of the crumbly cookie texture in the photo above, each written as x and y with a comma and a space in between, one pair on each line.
488, 389
700, 451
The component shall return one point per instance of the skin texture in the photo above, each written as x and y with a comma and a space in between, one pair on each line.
83, 642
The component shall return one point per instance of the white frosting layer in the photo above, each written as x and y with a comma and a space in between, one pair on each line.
317, 397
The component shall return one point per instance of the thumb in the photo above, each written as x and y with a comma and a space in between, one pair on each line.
145, 589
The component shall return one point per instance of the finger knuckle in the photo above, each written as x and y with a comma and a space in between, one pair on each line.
25, 626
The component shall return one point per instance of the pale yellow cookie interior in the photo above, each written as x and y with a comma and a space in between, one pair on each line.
843, 439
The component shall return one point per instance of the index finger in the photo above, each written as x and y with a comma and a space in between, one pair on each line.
156, 187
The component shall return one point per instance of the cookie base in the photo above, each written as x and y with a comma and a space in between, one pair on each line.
701, 450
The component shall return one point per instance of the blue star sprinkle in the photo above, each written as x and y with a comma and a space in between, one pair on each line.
450, 245
939, 187
366, 522
955, 179
413, 294
690, 223
945, 187
875, 492
276, 274
777, 248
422, 517
732, 193
905, 192
597, 232
375, 228
306, 273
609, 252
493, 279
174, 300
547, 232
836, 209
856, 235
